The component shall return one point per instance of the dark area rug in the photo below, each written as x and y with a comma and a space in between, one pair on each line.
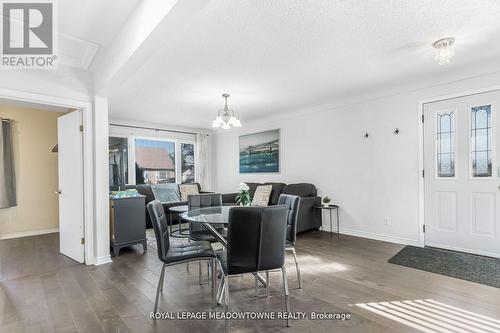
470, 267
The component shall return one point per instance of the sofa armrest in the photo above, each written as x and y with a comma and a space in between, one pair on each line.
309, 217
229, 198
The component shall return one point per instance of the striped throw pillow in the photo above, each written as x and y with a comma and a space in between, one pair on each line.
261, 196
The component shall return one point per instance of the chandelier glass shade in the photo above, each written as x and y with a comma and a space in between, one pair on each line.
226, 118
445, 50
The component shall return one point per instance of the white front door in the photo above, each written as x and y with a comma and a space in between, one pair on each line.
462, 194
70, 157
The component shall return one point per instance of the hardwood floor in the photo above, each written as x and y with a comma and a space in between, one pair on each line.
43, 291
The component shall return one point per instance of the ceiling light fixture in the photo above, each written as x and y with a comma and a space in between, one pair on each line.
445, 50
226, 117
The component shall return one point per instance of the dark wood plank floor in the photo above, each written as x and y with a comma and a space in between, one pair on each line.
43, 291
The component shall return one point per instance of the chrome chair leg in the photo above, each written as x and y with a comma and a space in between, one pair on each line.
221, 292
285, 288
267, 283
214, 282
256, 286
159, 288
226, 278
199, 272
162, 278
297, 267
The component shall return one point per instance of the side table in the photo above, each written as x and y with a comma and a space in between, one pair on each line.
329, 208
179, 232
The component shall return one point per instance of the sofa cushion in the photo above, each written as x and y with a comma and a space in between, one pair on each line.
300, 189
188, 189
167, 192
262, 195
275, 192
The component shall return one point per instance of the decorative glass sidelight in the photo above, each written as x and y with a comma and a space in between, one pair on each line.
445, 152
481, 141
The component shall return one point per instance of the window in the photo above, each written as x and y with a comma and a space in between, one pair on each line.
187, 163
154, 161
118, 162
445, 135
481, 141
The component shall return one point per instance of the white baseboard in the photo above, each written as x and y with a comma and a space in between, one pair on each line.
380, 237
103, 260
28, 233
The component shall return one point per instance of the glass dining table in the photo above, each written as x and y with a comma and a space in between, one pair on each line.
208, 216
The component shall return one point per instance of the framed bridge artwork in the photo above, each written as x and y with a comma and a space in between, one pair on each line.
260, 152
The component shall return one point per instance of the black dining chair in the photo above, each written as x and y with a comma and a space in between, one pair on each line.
256, 242
177, 254
196, 231
293, 203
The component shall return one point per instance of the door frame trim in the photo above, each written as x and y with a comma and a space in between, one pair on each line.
88, 155
421, 183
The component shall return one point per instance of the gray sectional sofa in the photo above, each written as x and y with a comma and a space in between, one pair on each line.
309, 218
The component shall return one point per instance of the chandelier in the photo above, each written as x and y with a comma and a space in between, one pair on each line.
445, 50
226, 117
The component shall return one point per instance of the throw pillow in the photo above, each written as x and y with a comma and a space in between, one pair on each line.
187, 189
166, 192
261, 196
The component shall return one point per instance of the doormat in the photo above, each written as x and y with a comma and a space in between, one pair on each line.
465, 266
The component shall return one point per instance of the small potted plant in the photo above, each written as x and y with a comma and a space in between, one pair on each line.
243, 197
326, 201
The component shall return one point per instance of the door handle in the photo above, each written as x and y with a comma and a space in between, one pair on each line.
58, 192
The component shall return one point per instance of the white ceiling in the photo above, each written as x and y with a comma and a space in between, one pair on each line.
88, 26
278, 56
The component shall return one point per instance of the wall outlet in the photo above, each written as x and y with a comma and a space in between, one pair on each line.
386, 221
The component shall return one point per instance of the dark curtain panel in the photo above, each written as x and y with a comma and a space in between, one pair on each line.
7, 177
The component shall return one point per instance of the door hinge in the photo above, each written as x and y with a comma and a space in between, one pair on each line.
423, 173
82, 240
81, 128
422, 118
423, 228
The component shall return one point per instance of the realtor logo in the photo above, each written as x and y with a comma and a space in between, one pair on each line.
28, 34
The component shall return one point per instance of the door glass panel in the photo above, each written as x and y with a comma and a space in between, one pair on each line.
481, 141
445, 134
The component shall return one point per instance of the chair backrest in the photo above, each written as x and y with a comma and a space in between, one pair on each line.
203, 200
292, 202
256, 239
160, 226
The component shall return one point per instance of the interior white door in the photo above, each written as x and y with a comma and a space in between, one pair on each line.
70, 158
462, 193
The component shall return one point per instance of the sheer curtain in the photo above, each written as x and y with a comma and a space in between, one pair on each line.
7, 179
202, 167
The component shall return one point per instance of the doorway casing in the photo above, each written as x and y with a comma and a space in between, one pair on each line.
88, 157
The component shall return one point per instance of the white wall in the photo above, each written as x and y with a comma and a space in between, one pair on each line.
65, 82
369, 178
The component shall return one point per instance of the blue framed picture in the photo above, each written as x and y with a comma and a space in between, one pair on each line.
260, 152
